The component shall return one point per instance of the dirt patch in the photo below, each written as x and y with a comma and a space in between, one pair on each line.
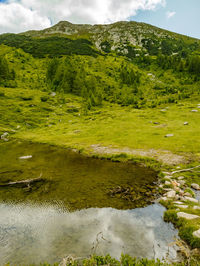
163, 156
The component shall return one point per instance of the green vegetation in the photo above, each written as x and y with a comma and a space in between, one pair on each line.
105, 99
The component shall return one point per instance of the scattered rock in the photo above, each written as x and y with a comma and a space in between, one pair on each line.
190, 199
187, 216
25, 157
196, 233
169, 135
186, 123
195, 186
171, 194
196, 207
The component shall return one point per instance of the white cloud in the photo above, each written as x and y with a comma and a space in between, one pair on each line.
170, 14
21, 15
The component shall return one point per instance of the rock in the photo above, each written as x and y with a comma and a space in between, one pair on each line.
195, 186
53, 94
4, 136
196, 233
187, 194
167, 173
175, 184
194, 111
186, 123
163, 110
168, 177
182, 182
181, 177
183, 206
196, 207
190, 199
178, 202
25, 157
164, 198
187, 216
169, 135
167, 183
171, 194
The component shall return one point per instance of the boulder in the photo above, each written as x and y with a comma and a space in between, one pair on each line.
187, 216
196, 233
195, 186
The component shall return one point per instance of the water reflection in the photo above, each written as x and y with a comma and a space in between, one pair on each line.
32, 234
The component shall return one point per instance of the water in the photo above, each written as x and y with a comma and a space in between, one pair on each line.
31, 234
75, 209
76, 181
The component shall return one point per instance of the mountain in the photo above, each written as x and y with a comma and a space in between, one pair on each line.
129, 63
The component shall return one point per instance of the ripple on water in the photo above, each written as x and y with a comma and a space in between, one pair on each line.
34, 234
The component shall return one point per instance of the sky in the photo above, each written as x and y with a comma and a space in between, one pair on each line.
181, 16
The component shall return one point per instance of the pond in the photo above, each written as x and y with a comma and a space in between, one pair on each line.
78, 206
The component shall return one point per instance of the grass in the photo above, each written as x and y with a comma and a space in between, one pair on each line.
111, 125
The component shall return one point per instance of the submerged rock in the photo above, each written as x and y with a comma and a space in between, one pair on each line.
25, 157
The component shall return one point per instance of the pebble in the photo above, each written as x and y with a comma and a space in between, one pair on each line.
187, 216
196, 233
185, 123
